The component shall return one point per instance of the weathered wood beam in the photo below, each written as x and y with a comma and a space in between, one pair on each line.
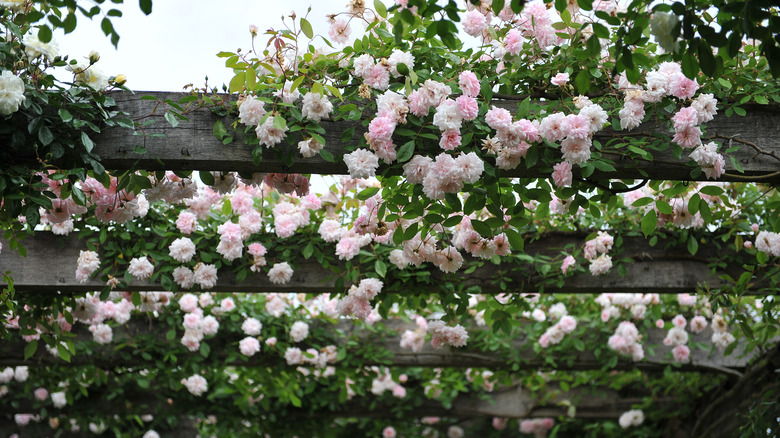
192, 146
654, 270
657, 359
753, 397
513, 402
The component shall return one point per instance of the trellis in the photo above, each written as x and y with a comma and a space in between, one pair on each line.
192, 145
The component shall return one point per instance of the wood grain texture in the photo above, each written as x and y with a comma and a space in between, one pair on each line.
192, 145
705, 360
659, 269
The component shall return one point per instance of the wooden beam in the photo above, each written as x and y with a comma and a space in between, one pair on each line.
192, 145
653, 270
753, 397
513, 402
656, 360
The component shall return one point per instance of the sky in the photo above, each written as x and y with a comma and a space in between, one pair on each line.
177, 44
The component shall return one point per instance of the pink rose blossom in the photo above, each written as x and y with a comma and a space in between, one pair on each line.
474, 23
468, 83
560, 79
562, 175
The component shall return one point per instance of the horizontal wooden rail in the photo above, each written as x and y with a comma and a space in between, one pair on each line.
653, 270
656, 359
192, 145
513, 402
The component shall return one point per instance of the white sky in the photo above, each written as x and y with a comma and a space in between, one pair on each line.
177, 44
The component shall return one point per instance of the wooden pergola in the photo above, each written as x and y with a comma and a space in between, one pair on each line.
192, 145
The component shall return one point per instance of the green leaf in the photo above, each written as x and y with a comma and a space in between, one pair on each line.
664, 207
712, 190
693, 245
170, 334
279, 122
219, 129
30, 349
515, 240
238, 82
381, 268
582, 81
327, 156
405, 152
482, 228
649, 222
693, 203
308, 250
65, 115
87, 142
297, 83
367, 193
63, 352
641, 202
306, 28
207, 179
205, 349
44, 33
172, 120
146, 6
45, 135
380, 8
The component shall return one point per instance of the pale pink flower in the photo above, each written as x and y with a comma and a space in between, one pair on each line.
688, 138
513, 42
249, 346
449, 259
227, 304
659, 323
280, 273
196, 385
600, 265
567, 263
299, 331
269, 135
679, 321
41, 394
474, 23
562, 175
450, 140
188, 303
184, 277
377, 77
101, 333
681, 87
685, 118
316, 107
498, 118
205, 275
468, 107
560, 79
468, 83
698, 324
209, 325
389, 432
347, 248
251, 111
681, 353
339, 31
140, 268
182, 249
293, 356
361, 163
399, 57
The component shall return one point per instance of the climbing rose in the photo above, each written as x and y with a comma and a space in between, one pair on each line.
361, 163
140, 268
560, 79
11, 93
299, 331
280, 273
316, 106
196, 385
249, 346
